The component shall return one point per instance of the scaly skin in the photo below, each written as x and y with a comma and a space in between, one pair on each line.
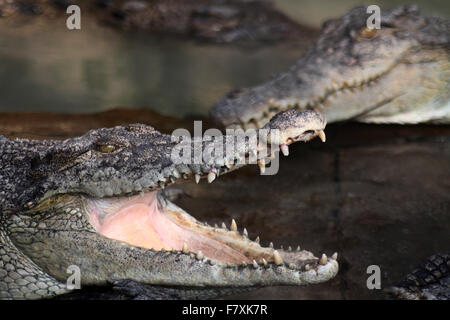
430, 281
397, 74
55, 197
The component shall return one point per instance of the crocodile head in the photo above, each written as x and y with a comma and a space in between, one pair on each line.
399, 73
95, 202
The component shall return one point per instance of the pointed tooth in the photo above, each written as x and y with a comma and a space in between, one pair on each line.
197, 178
322, 136
291, 266
200, 255
289, 248
284, 149
216, 226
281, 247
175, 173
211, 177
334, 256
264, 262
257, 239
255, 264
224, 226
307, 267
298, 248
233, 226
323, 260
262, 165
271, 244
335, 85
185, 248
277, 258
244, 263
245, 232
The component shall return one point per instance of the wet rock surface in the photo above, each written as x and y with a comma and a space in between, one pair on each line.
378, 195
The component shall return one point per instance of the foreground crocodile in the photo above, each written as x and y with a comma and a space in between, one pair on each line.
399, 73
95, 202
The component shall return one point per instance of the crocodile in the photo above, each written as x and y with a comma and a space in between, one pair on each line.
399, 74
218, 21
430, 281
97, 202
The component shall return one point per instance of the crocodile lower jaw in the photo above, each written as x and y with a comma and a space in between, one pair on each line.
152, 222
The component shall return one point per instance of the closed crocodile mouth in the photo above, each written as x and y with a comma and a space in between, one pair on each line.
318, 103
150, 221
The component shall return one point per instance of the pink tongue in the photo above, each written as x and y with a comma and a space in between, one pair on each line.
133, 224
142, 225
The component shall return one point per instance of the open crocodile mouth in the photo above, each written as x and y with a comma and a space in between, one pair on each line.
150, 221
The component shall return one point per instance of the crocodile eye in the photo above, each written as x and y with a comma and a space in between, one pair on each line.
367, 33
107, 148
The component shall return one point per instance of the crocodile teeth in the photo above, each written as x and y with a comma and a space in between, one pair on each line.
322, 136
255, 264
245, 232
257, 239
291, 266
284, 149
289, 248
271, 244
175, 173
224, 225
233, 226
277, 258
323, 260
200, 255
307, 267
334, 256
216, 226
185, 248
264, 262
211, 177
197, 178
298, 248
262, 165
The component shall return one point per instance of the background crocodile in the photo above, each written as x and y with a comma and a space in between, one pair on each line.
397, 74
209, 20
93, 202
